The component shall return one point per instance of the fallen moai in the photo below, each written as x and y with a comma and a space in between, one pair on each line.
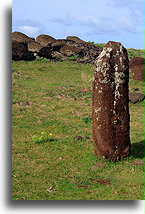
110, 111
45, 39
20, 51
21, 37
59, 49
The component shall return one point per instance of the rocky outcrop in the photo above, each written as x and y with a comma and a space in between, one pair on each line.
45, 40
20, 51
135, 97
110, 110
21, 37
136, 65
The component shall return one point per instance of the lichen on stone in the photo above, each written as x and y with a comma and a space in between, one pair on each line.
97, 110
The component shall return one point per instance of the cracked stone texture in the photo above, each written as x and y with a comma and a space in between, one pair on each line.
110, 111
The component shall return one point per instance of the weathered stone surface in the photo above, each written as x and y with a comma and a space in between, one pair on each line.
135, 97
137, 67
34, 46
61, 49
57, 56
20, 51
75, 39
67, 50
45, 39
57, 45
45, 52
21, 37
40, 50
85, 59
65, 41
90, 51
110, 111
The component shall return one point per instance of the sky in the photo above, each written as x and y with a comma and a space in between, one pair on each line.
99, 21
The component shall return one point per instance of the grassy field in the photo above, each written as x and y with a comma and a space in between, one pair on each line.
52, 146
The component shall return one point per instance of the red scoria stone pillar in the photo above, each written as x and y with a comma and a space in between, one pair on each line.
110, 111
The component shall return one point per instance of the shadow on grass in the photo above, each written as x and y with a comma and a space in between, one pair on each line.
137, 150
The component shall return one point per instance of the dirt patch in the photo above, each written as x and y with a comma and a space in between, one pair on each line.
101, 181
98, 165
138, 162
61, 96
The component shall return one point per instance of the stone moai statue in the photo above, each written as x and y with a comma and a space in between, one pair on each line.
110, 110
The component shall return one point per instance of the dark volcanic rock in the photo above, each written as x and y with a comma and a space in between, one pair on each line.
45, 52
75, 39
40, 50
85, 59
67, 50
57, 56
21, 37
45, 40
90, 51
56, 45
137, 67
135, 97
20, 51
110, 111
61, 50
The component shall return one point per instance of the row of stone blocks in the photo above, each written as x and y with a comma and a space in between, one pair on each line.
26, 48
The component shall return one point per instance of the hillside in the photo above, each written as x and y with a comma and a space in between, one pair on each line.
131, 51
52, 144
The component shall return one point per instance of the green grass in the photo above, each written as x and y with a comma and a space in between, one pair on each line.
135, 53
55, 97
131, 51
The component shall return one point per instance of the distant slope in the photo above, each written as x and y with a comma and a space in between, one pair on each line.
135, 53
131, 51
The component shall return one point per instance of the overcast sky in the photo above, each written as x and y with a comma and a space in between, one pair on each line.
91, 20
